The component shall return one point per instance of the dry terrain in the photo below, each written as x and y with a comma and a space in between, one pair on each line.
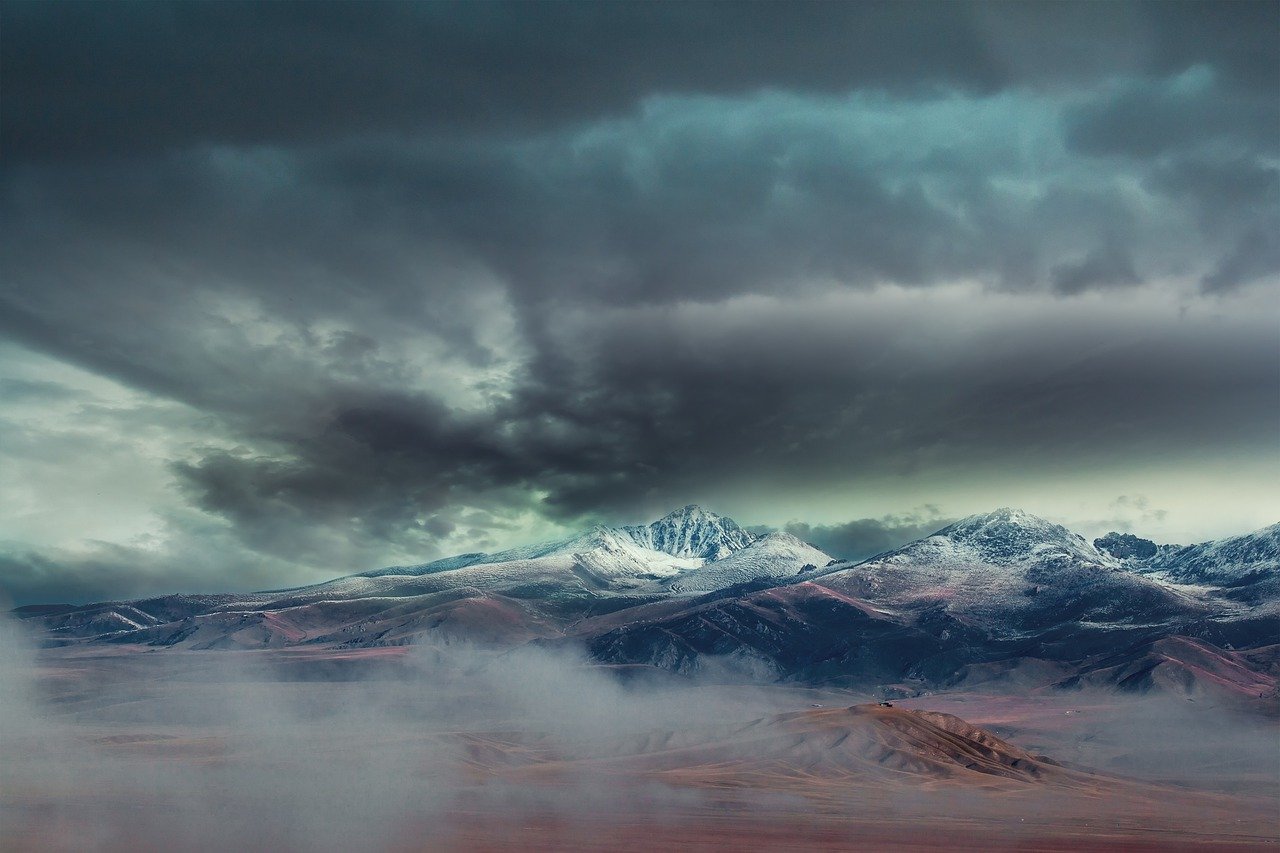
450, 748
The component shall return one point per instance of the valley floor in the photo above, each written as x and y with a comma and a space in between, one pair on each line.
455, 749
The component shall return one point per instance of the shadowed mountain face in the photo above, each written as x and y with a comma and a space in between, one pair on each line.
802, 631
997, 595
1185, 667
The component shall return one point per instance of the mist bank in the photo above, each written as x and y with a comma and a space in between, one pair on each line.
392, 749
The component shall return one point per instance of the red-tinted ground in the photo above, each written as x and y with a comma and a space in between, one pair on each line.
390, 749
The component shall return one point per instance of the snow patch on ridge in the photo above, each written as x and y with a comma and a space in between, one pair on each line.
776, 556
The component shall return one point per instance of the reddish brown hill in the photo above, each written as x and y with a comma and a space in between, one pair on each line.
808, 750
1182, 666
861, 743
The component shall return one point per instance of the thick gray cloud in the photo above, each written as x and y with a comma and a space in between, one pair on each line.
865, 537
327, 286
1194, 111
84, 79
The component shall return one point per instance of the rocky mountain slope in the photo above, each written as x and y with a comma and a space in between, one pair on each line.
1225, 563
692, 531
998, 595
1011, 572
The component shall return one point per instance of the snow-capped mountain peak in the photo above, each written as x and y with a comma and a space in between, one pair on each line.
1009, 535
1222, 561
692, 531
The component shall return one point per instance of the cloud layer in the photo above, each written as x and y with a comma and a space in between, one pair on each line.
290, 291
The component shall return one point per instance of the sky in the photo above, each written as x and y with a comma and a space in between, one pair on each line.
289, 291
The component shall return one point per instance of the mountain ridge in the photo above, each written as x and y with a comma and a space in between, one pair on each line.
998, 592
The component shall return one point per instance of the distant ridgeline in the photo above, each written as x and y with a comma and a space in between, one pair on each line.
1004, 596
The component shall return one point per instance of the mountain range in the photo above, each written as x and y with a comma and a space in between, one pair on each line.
994, 598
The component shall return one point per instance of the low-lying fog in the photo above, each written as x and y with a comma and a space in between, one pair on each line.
126, 749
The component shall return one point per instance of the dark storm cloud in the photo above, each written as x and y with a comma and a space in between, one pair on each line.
377, 467
1109, 267
1255, 256
145, 76
811, 389
415, 270
1150, 118
110, 572
579, 217
13, 390
866, 537
1225, 192
85, 78
804, 393
1237, 203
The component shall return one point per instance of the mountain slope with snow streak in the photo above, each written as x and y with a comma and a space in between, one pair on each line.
1013, 572
776, 557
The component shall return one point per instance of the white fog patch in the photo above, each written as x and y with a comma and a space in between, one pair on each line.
127, 749
122, 749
